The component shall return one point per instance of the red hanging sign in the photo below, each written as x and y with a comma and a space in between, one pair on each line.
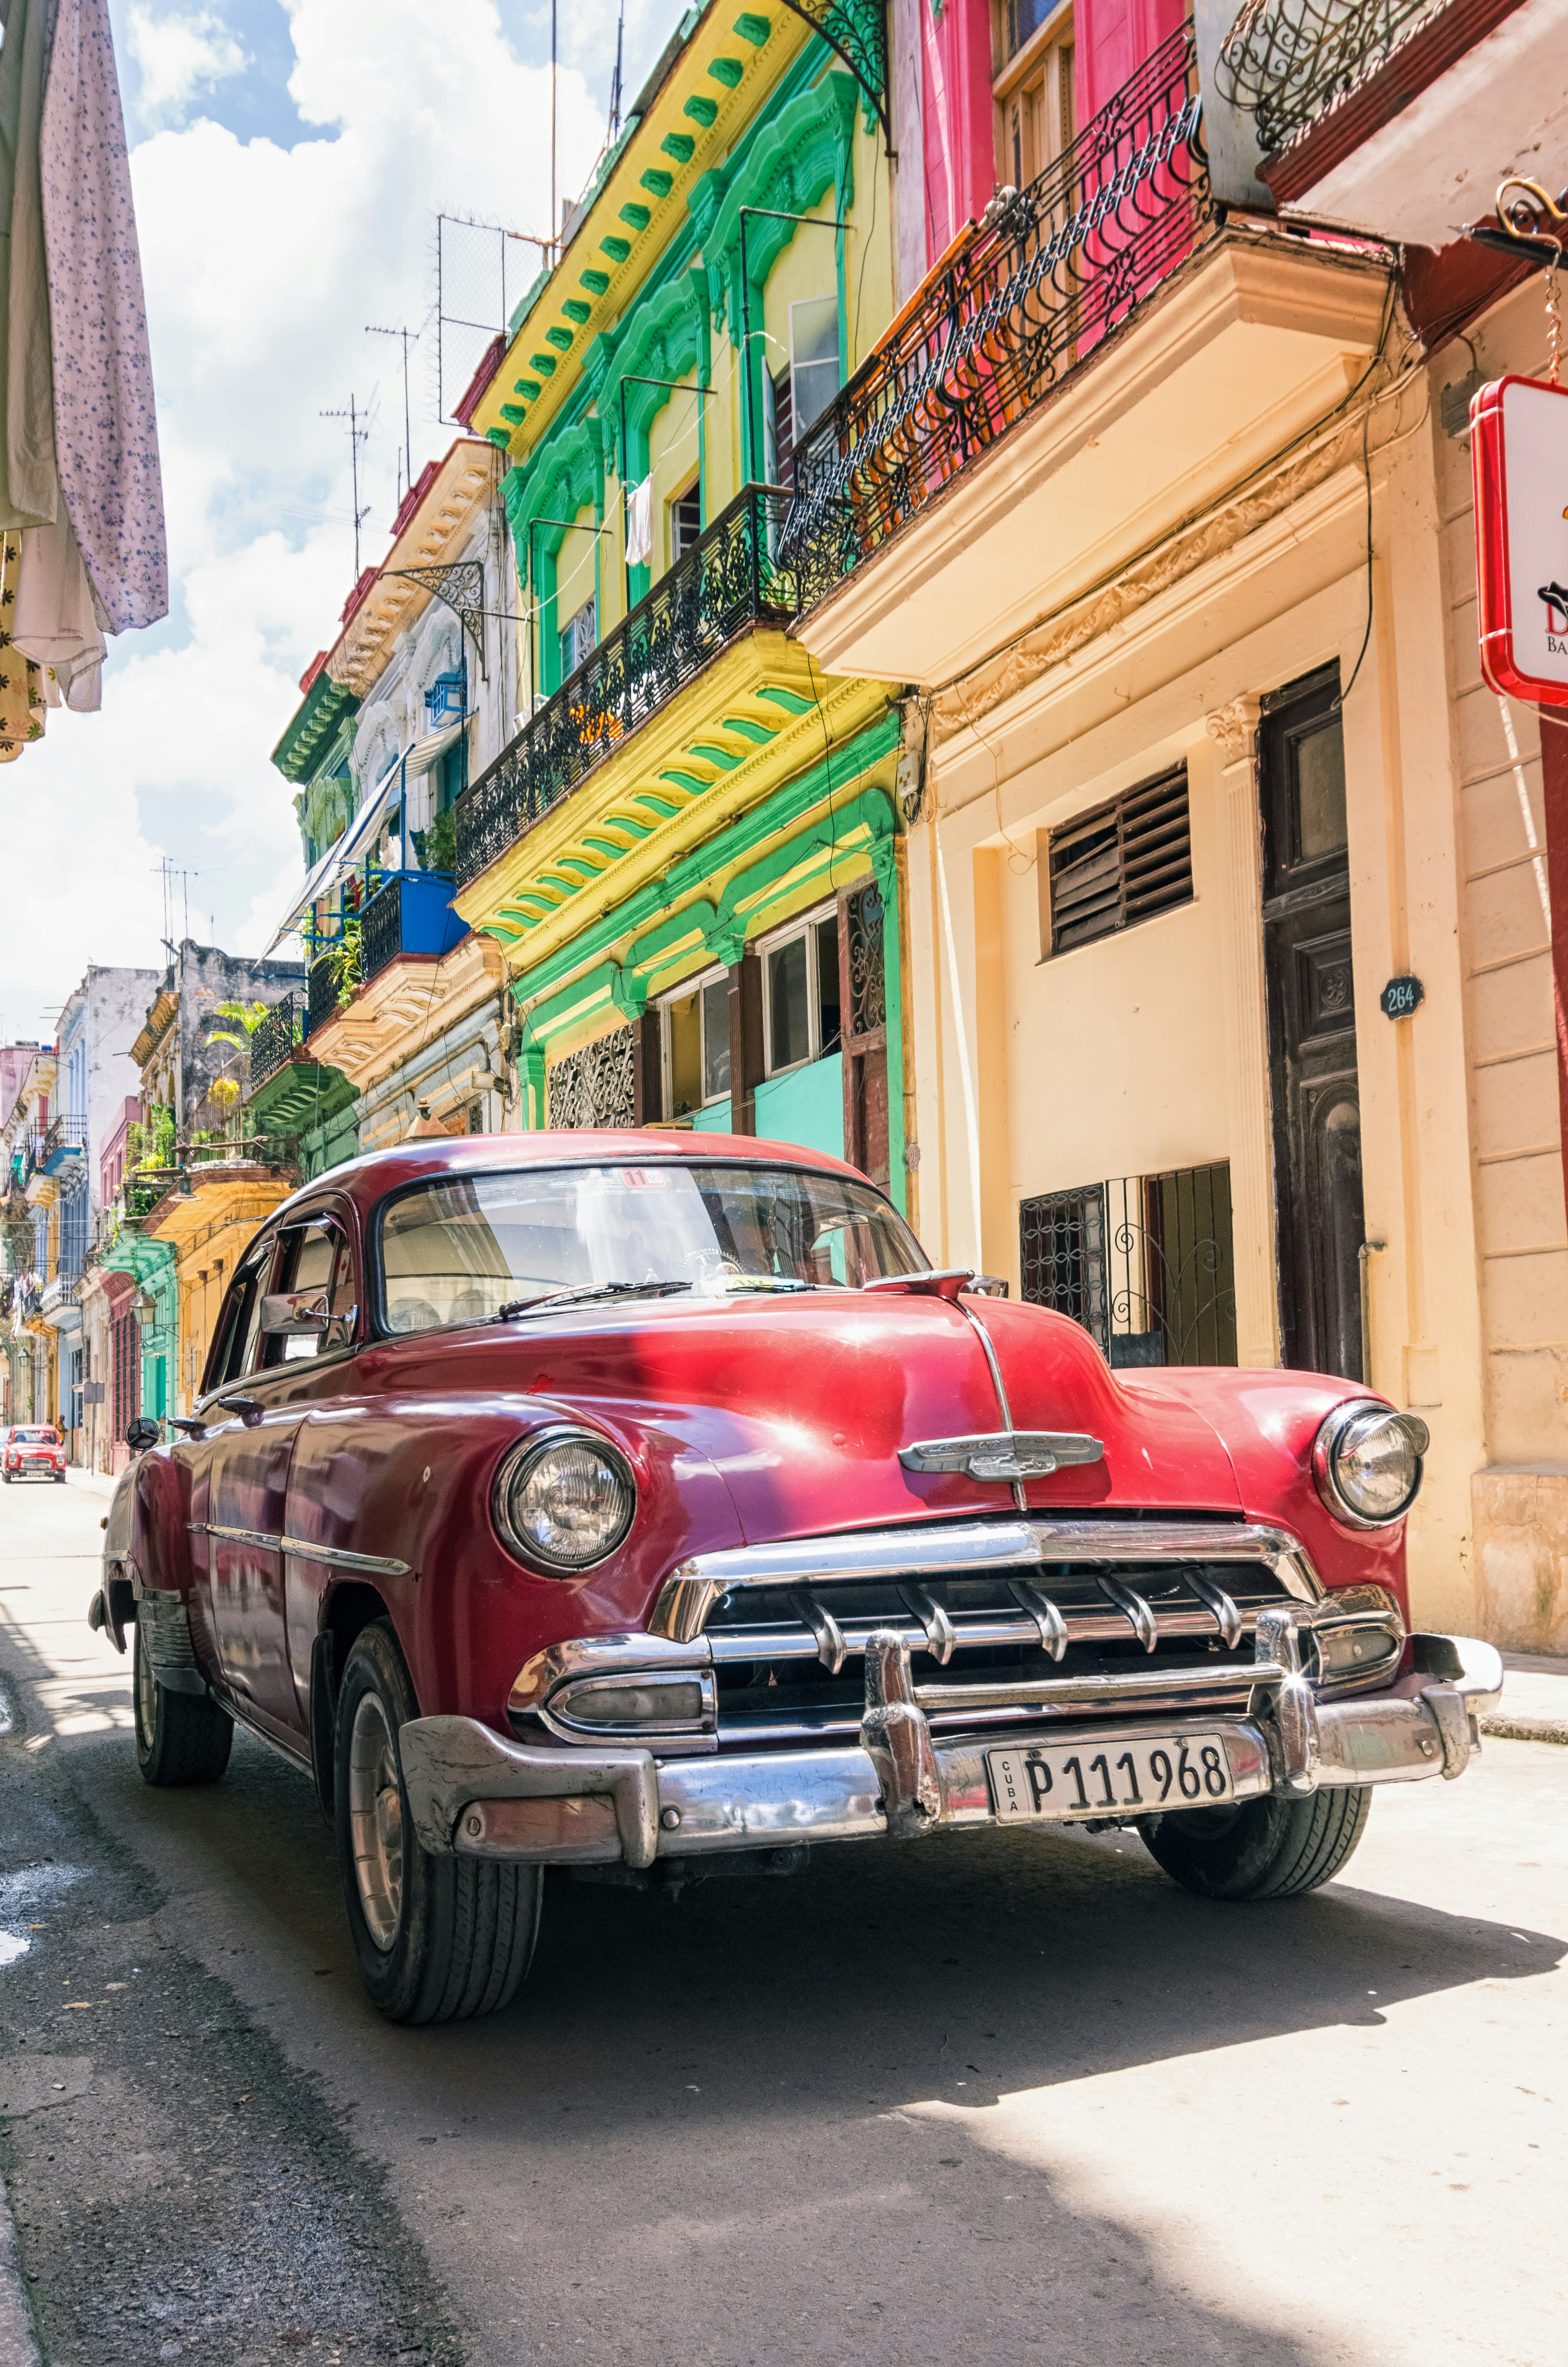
1519, 451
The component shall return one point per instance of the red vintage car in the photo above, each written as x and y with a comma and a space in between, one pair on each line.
645, 1505
33, 1452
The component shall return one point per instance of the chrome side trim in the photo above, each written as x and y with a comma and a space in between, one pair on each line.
338, 1556
921, 1550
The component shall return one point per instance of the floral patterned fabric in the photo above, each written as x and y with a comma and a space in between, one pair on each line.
106, 432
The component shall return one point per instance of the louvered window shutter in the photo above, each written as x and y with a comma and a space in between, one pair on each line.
1123, 862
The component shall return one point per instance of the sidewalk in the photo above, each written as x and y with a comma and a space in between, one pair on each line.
1534, 1707
93, 1481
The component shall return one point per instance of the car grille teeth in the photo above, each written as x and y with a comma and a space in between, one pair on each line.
1140, 1617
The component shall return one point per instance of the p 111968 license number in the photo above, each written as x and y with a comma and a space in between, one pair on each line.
1188, 1770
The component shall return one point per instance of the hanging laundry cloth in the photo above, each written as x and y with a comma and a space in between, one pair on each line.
53, 622
28, 485
106, 431
639, 524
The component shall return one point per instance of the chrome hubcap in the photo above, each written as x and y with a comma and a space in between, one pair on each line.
375, 1820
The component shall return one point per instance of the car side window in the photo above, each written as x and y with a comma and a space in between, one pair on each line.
316, 1256
241, 1339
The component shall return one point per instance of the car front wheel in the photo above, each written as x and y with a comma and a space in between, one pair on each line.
1260, 1849
440, 1939
180, 1738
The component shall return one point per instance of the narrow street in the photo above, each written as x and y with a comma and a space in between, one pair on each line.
1004, 2100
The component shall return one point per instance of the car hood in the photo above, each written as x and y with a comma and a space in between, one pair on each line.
803, 1403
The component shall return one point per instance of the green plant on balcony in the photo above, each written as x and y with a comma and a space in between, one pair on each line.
343, 954
437, 846
155, 1139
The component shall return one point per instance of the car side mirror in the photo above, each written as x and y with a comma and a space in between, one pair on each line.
142, 1434
296, 1314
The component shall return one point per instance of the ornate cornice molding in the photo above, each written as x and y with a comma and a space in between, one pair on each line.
1061, 637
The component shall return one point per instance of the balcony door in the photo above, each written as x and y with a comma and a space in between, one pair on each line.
1313, 1080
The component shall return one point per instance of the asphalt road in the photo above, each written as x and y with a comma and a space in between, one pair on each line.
999, 2101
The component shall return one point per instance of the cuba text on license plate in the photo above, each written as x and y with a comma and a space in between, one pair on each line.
1081, 1779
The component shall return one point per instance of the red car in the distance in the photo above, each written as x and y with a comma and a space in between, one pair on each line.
33, 1452
644, 1505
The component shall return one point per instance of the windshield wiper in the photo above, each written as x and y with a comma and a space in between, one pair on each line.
583, 1293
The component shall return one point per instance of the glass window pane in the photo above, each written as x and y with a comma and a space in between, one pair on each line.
813, 357
828, 1021
788, 1018
1320, 790
715, 1039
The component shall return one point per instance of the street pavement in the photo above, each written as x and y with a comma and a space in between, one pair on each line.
995, 2101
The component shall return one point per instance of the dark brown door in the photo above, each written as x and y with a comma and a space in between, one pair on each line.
1311, 1026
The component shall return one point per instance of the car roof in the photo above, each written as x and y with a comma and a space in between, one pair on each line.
367, 1180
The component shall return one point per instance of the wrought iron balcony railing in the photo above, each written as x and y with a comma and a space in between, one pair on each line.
412, 914
729, 581
1051, 274
65, 1136
276, 1032
1288, 62
320, 992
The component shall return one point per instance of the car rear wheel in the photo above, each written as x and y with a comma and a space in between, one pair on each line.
1261, 1849
439, 1939
180, 1738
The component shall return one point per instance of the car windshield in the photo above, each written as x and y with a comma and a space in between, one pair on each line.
459, 1249
34, 1438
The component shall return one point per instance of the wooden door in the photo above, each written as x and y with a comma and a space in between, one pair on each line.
1311, 1026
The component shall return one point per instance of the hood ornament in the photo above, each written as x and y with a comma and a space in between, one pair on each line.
1004, 1454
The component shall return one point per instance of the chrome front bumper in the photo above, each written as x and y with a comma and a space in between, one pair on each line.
476, 1793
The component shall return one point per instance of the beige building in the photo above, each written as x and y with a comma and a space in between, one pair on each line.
1200, 774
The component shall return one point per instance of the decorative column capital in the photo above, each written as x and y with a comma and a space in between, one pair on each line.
1234, 728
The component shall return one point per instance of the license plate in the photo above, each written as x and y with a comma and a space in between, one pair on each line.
1039, 1784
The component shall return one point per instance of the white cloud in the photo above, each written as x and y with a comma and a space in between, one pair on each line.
263, 266
178, 56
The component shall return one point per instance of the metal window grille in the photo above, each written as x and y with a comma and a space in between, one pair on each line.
1041, 284
1123, 862
1146, 1264
595, 1087
868, 983
1288, 62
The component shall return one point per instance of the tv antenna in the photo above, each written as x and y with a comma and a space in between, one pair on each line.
410, 337
615, 85
356, 435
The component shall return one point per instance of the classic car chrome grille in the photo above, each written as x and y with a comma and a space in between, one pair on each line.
994, 1650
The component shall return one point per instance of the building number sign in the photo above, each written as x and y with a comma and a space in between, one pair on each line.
1400, 997
1519, 451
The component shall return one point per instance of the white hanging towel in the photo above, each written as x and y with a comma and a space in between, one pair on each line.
54, 622
639, 524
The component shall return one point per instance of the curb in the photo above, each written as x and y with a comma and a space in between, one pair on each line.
1526, 1730
18, 2342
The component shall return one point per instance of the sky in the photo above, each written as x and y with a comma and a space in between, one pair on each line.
289, 159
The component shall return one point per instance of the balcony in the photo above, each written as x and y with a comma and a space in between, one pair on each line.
276, 1032
412, 914
728, 583
59, 1302
64, 1141
1111, 357
320, 992
1044, 281
1372, 113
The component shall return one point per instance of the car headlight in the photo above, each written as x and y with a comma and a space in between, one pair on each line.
1366, 1463
565, 1499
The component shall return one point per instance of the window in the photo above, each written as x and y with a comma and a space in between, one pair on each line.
237, 1340
313, 1257
696, 1045
1144, 1263
800, 1012
579, 637
779, 431
685, 521
1121, 863
458, 1250
1034, 97
813, 359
